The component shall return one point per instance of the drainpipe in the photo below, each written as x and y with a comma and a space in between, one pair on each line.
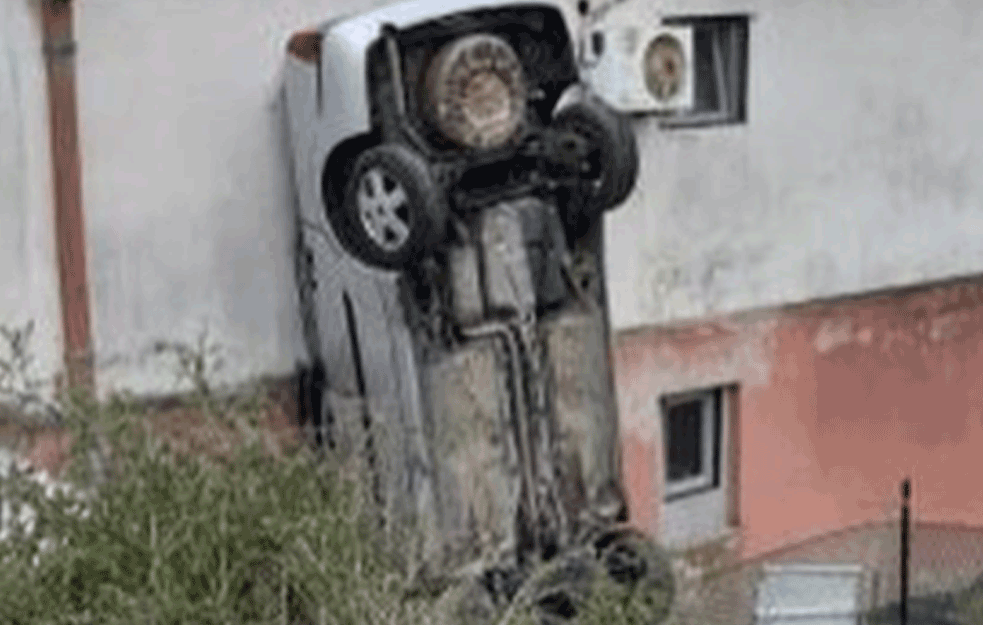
59, 53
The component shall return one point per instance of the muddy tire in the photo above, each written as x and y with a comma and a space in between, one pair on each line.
613, 161
392, 212
621, 578
641, 575
476, 91
467, 602
556, 592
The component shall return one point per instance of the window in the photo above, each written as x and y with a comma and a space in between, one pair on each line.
720, 50
692, 432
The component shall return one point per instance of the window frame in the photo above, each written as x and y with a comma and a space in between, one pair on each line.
710, 447
731, 73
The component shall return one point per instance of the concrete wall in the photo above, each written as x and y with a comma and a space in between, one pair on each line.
856, 139
838, 403
28, 261
186, 186
858, 168
856, 171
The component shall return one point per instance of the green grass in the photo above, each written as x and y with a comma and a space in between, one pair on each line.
612, 604
171, 538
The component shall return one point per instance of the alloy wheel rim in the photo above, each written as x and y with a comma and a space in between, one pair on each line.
383, 207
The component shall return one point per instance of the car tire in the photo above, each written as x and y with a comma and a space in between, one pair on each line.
556, 590
392, 212
641, 567
614, 158
465, 81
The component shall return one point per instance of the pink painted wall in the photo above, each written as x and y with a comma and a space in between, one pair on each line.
838, 402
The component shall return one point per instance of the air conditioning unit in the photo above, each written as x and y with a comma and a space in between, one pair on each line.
640, 69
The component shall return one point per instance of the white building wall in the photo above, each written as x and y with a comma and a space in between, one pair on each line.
185, 182
28, 260
858, 168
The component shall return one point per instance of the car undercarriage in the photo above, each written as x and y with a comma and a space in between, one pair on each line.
454, 301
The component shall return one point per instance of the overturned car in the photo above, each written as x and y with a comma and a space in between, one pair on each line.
452, 173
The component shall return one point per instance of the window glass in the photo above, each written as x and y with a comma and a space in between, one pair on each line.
685, 437
719, 66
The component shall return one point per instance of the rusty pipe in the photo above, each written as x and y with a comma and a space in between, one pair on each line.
59, 49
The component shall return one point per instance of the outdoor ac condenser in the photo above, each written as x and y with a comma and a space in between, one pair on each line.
641, 68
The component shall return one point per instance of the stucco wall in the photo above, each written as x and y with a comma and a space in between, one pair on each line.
858, 167
186, 187
28, 262
839, 402
856, 140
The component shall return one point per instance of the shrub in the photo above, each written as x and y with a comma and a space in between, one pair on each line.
614, 604
153, 535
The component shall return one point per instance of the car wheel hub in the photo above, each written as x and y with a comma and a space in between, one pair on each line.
486, 100
383, 209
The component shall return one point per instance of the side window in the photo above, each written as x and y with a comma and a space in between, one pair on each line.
692, 431
720, 50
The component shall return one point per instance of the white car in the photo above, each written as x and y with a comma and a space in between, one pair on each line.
416, 115
452, 171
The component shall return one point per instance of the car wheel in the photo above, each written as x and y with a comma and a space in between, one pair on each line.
612, 164
556, 590
476, 91
392, 212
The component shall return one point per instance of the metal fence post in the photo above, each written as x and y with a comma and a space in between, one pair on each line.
905, 545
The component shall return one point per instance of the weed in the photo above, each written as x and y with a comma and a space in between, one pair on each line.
168, 537
20, 387
615, 604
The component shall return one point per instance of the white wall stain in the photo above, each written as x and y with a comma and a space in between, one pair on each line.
186, 185
833, 334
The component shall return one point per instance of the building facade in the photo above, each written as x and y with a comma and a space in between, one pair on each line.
774, 381
791, 338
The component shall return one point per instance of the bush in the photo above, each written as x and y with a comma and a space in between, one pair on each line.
152, 535
614, 604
